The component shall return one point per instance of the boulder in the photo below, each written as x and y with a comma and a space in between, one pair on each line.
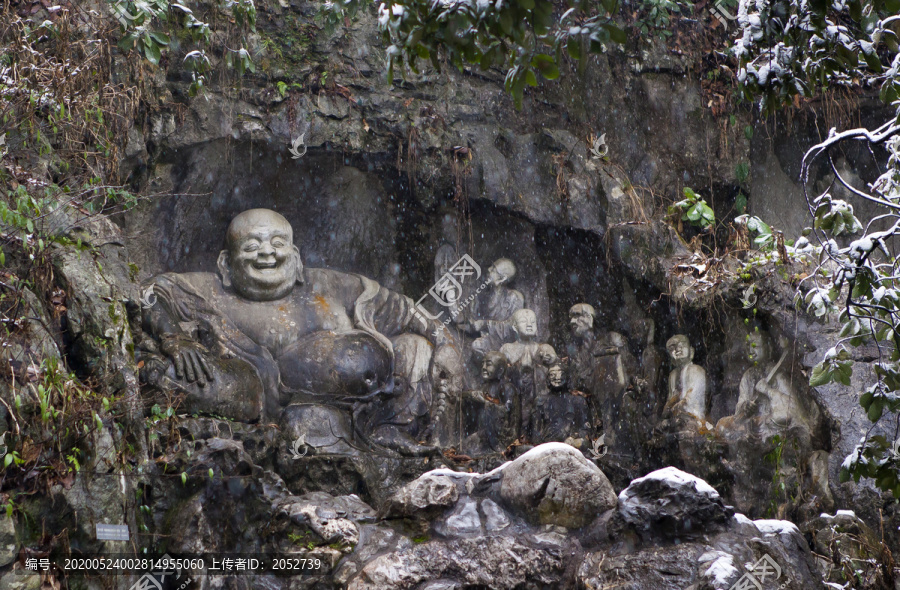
429, 493
554, 484
672, 503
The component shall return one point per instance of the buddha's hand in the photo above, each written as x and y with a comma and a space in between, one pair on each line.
188, 358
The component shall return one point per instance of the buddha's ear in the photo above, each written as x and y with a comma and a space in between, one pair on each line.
299, 262
224, 268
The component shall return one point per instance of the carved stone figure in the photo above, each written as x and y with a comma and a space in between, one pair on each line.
491, 314
401, 420
448, 252
773, 412
563, 416
496, 407
687, 382
768, 401
581, 350
623, 405
529, 361
525, 351
265, 331
651, 365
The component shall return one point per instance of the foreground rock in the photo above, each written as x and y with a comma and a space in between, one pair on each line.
508, 529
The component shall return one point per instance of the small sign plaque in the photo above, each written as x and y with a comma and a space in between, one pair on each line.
112, 532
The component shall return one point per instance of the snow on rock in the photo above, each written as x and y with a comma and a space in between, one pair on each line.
776, 527
676, 478
671, 502
718, 569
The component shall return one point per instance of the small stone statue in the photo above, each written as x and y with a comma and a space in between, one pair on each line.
497, 406
529, 361
767, 399
448, 252
687, 382
586, 348
525, 352
582, 350
603, 368
490, 315
772, 412
651, 364
563, 416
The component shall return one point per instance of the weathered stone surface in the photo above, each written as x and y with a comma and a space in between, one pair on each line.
713, 558
554, 484
672, 503
17, 580
8, 543
434, 490
102, 303
499, 563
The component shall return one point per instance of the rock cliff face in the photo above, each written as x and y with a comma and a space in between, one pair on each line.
382, 168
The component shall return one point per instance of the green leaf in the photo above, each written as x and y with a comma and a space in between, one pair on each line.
875, 410
530, 78
160, 38
616, 34
543, 18
742, 172
546, 65
151, 51
821, 375
550, 73
506, 21
126, 43
183, 478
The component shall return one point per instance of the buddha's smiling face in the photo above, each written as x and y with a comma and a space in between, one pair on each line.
261, 260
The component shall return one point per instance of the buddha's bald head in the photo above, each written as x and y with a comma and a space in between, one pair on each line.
260, 261
253, 219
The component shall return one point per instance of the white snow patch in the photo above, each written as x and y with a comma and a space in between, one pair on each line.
550, 448
722, 570
776, 527
676, 478
741, 519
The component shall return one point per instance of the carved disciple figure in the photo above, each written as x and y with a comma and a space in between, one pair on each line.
767, 399
229, 340
769, 405
496, 407
563, 416
687, 382
601, 368
528, 360
491, 314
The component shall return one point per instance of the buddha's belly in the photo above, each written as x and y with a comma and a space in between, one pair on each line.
278, 326
349, 364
